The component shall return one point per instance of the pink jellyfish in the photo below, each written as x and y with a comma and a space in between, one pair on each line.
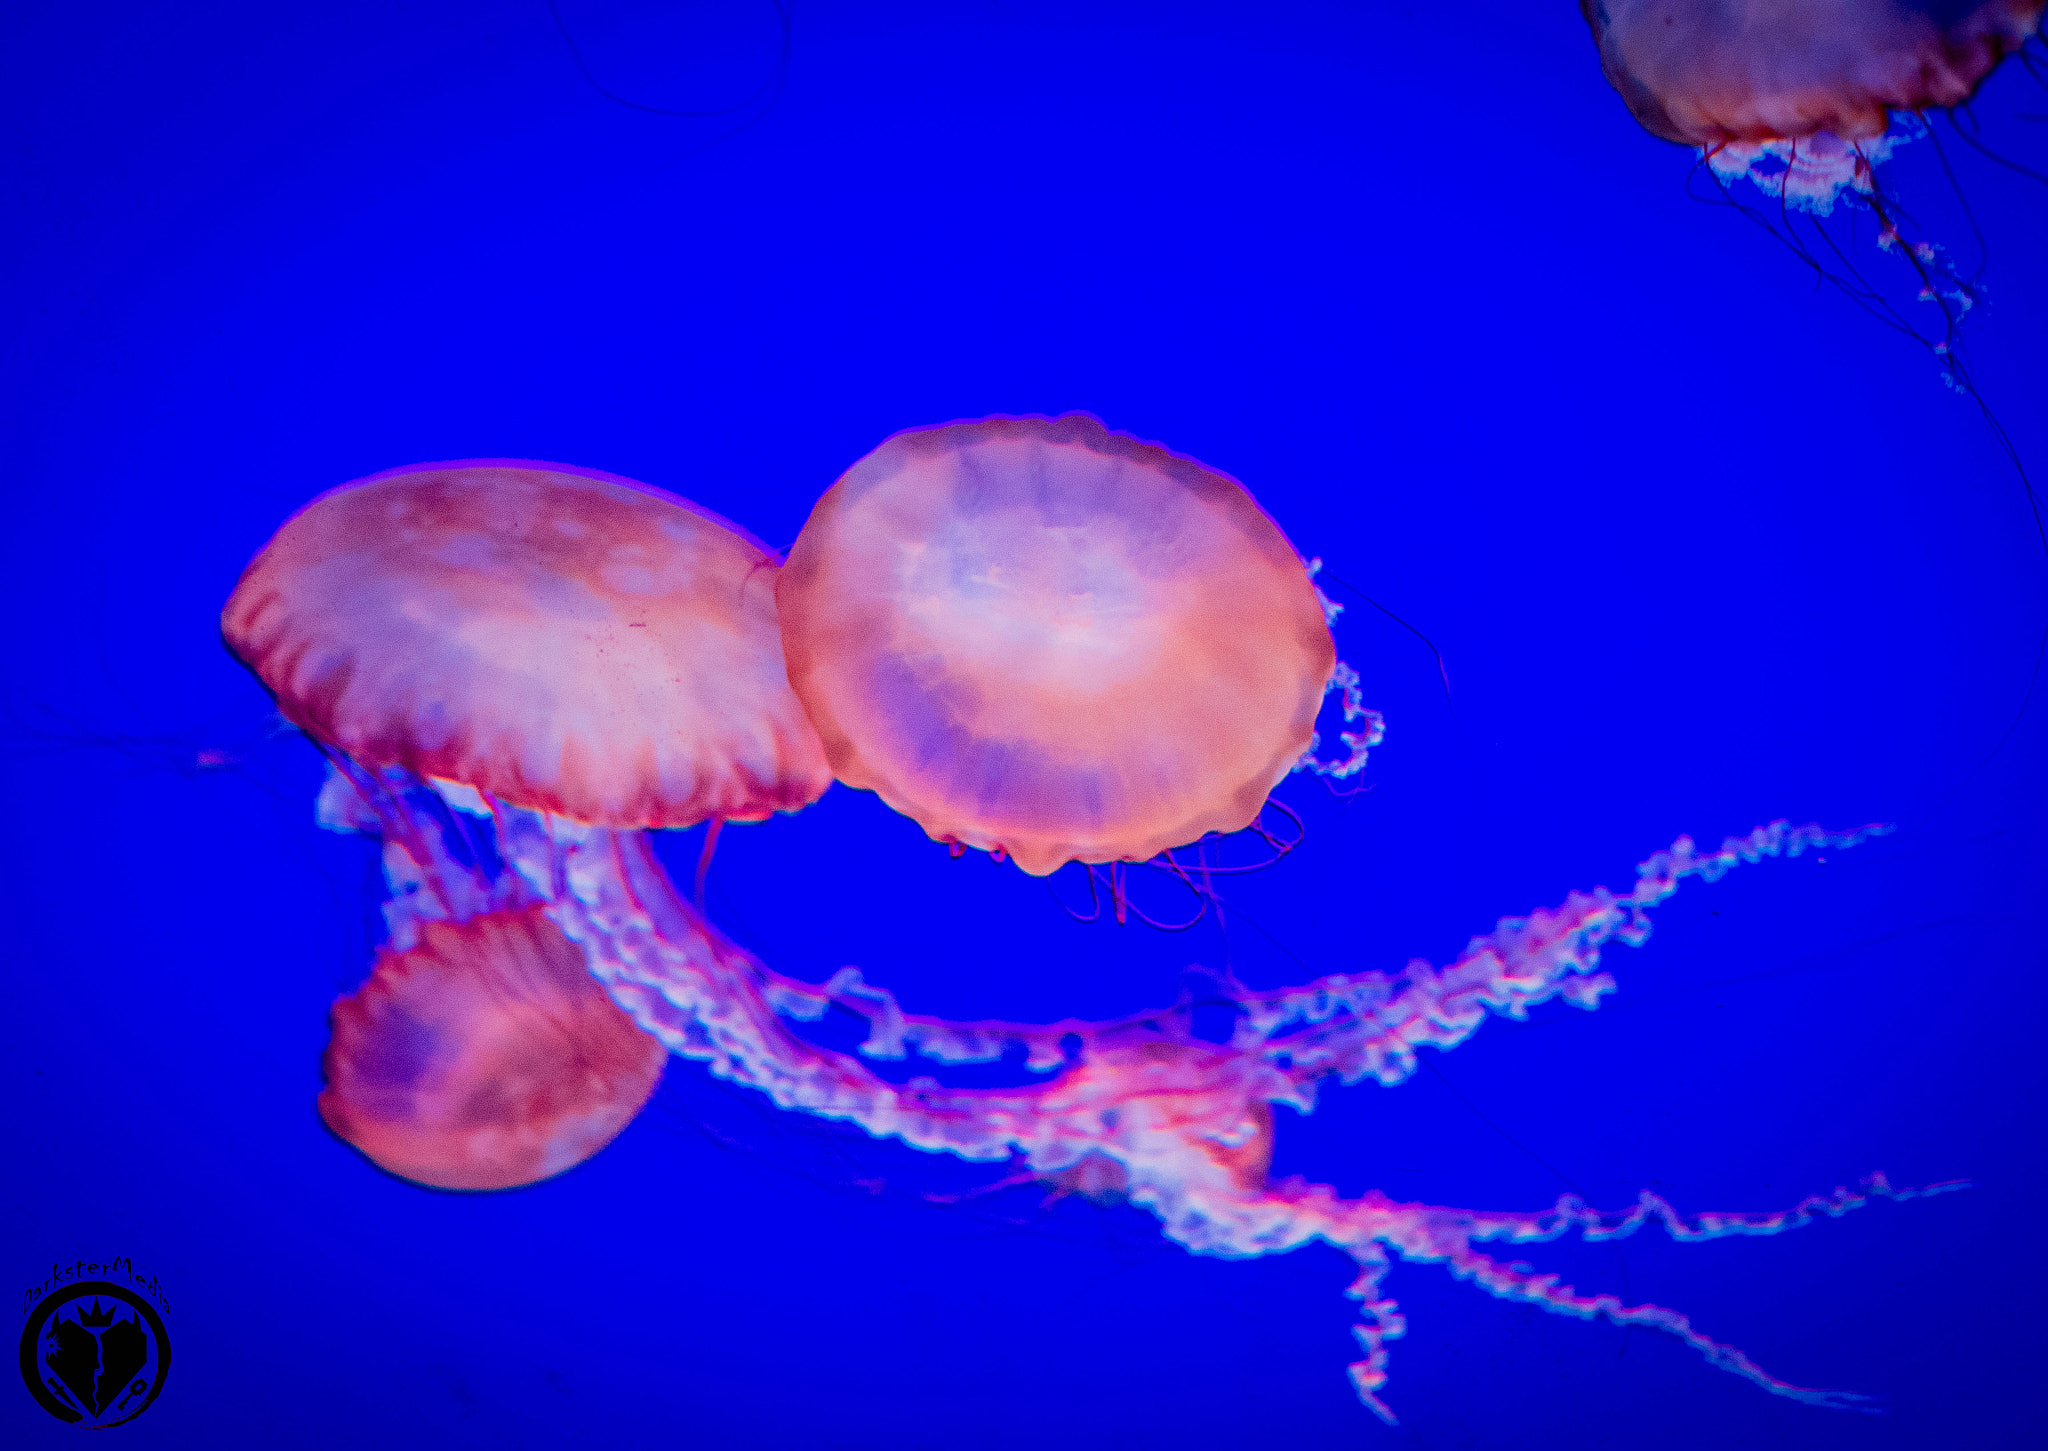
1711, 73
496, 635
485, 1057
570, 641
1798, 97
1041, 638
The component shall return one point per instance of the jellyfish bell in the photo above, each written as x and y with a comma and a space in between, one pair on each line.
557, 638
1710, 72
1041, 637
485, 1057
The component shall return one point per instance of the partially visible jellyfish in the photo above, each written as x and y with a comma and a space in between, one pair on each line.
485, 1057
1756, 74
1804, 102
495, 634
1053, 642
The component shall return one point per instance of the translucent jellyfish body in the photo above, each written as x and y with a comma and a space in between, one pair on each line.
567, 640
1037, 636
485, 1057
1706, 72
1797, 98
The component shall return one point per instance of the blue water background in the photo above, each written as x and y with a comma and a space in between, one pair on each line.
1701, 544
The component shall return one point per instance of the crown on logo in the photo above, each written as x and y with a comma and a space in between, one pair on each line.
96, 1318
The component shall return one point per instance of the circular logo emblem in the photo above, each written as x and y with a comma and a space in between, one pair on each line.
94, 1353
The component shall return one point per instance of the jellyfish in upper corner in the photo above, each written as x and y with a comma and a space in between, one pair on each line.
1048, 640
1804, 100
1799, 98
463, 639
1758, 73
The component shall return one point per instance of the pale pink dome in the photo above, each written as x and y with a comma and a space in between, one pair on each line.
564, 640
1039, 636
485, 1057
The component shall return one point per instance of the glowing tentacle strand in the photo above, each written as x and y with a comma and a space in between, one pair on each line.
1431, 1234
1370, 1024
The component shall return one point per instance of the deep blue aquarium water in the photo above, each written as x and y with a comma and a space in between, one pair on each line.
1701, 543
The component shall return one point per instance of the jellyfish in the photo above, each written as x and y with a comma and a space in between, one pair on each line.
1722, 73
1800, 99
1804, 101
485, 1057
1053, 642
574, 644
569, 640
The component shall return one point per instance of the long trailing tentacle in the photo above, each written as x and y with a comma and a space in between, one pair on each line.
1428, 1234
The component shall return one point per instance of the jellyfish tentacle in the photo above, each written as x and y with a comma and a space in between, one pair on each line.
1371, 726
1367, 1227
1519, 1283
